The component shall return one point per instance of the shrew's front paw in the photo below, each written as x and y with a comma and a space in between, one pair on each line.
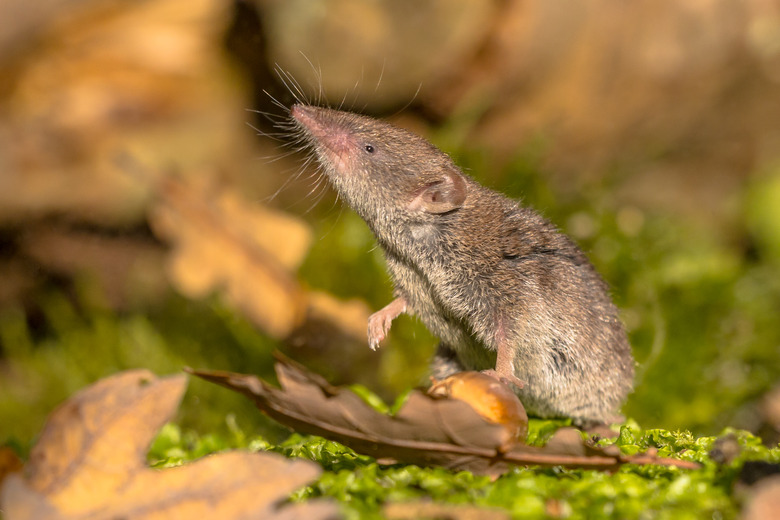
379, 322
378, 327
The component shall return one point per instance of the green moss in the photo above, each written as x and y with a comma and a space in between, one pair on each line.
362, 486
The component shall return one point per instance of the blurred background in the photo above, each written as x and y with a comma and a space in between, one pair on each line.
152, 216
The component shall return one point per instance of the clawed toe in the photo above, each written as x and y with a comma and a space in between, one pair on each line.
509, 379
377, 331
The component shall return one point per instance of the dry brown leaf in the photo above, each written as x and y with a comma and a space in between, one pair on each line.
425, 431
89, 462
246, 252
769, 413
9, 462
433, 510
764, 501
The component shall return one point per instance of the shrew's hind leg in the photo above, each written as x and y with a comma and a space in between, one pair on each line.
505, 371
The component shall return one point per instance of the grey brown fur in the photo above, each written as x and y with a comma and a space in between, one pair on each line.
502, 288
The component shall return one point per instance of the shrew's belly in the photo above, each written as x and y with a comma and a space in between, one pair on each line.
453, 332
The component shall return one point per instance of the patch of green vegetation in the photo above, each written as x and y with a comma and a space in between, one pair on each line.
362, 486
81, 343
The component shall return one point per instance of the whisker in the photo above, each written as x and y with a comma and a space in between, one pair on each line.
408, 104
276, 101
293, 86
381, 75
320, 187
317, 76
293, 140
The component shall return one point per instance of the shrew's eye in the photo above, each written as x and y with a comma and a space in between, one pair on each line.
369, 148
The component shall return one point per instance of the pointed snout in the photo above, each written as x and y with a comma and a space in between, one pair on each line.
302, 113
311, 119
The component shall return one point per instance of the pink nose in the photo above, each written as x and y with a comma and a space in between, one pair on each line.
311, 118
299, 111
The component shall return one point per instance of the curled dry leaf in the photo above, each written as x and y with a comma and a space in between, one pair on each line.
490, 398
425, 431
89, 462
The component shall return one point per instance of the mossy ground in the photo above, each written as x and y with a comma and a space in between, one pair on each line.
362, 486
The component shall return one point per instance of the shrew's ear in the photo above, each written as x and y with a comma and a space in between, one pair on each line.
441, 196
